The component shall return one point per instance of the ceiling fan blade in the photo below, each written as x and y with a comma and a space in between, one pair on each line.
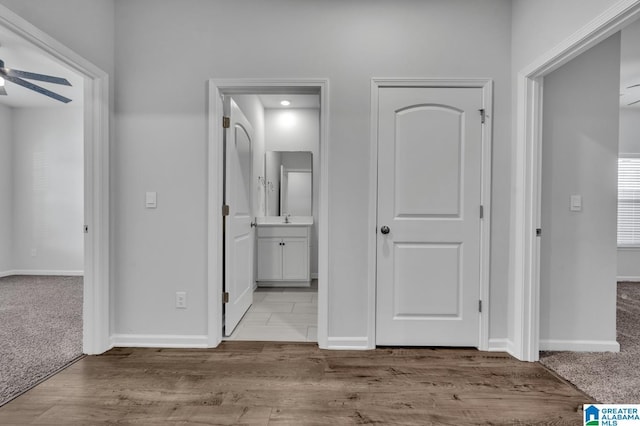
631, 87
633, 103
2, 90
36, 88
33, 76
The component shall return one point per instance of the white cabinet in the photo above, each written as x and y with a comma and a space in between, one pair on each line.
283, 255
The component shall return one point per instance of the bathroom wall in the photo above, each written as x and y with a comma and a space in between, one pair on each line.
297, 130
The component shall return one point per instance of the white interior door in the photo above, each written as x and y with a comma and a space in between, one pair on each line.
238, 232
429, 192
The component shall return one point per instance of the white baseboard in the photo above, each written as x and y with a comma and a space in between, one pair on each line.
41, 272
498, 345
348, 343
159, 341
632, 278
580, 345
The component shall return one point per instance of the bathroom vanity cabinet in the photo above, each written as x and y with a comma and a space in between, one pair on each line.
283, 255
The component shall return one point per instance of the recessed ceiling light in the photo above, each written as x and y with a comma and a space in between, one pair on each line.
285, 103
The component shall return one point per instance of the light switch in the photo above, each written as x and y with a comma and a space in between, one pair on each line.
576, 203
151, 200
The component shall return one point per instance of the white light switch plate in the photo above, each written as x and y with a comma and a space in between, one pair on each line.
151, 200
576, 203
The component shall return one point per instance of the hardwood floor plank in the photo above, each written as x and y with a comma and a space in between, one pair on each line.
271, 383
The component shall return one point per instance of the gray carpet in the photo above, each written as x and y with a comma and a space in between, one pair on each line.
608, 377
40, 329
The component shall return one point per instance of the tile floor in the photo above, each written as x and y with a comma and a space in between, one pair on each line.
281, 314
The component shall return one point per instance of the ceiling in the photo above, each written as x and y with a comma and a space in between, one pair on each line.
630, 66
297, 101
20, 54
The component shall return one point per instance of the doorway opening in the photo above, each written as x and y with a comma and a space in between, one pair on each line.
527, 177
94, 118
271, 161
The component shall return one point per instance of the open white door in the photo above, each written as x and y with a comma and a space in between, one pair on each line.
238, 232
429, 192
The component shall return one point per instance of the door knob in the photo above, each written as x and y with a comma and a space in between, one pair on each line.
385, 229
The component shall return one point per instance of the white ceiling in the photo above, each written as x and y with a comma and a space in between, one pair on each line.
19, 54
630, 66
297, 101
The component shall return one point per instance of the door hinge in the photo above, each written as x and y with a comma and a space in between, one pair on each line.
538, 232
226, 122
481, 212
479, 305
225, 297
225, 210
85, 228
483, 115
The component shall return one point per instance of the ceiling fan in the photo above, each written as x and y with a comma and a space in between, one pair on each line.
17, 76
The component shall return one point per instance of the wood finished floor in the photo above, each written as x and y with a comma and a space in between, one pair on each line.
270, 383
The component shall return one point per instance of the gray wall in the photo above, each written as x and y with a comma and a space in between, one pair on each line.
6, 189
160, 138
579, 156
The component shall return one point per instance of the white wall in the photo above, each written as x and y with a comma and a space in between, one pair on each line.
579, 156
6, 189
298, 130
48, 189
161, 134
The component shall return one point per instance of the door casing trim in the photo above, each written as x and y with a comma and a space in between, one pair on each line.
96, 309
485, 197
217, 88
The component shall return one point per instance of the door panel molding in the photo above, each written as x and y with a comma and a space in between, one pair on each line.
485, 192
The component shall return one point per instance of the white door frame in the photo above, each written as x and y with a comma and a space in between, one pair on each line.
525, 263
96, 308
485, 197
216, 88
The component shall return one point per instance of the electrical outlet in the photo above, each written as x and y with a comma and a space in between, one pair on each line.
181, 300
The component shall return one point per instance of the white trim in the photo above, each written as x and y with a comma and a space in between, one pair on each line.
96, 312
43, 272
214, 193
524, 264
158, 341
579, 345
485, 197
620, 278
348, 343
498, 345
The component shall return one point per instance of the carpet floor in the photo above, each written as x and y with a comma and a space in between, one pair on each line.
40, 330
608, 377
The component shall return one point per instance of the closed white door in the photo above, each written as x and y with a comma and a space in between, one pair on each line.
428, 237
239, 236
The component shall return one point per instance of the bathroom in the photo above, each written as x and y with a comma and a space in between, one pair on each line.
284, 204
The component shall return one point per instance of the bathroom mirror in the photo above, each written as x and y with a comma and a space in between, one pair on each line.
288, 183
